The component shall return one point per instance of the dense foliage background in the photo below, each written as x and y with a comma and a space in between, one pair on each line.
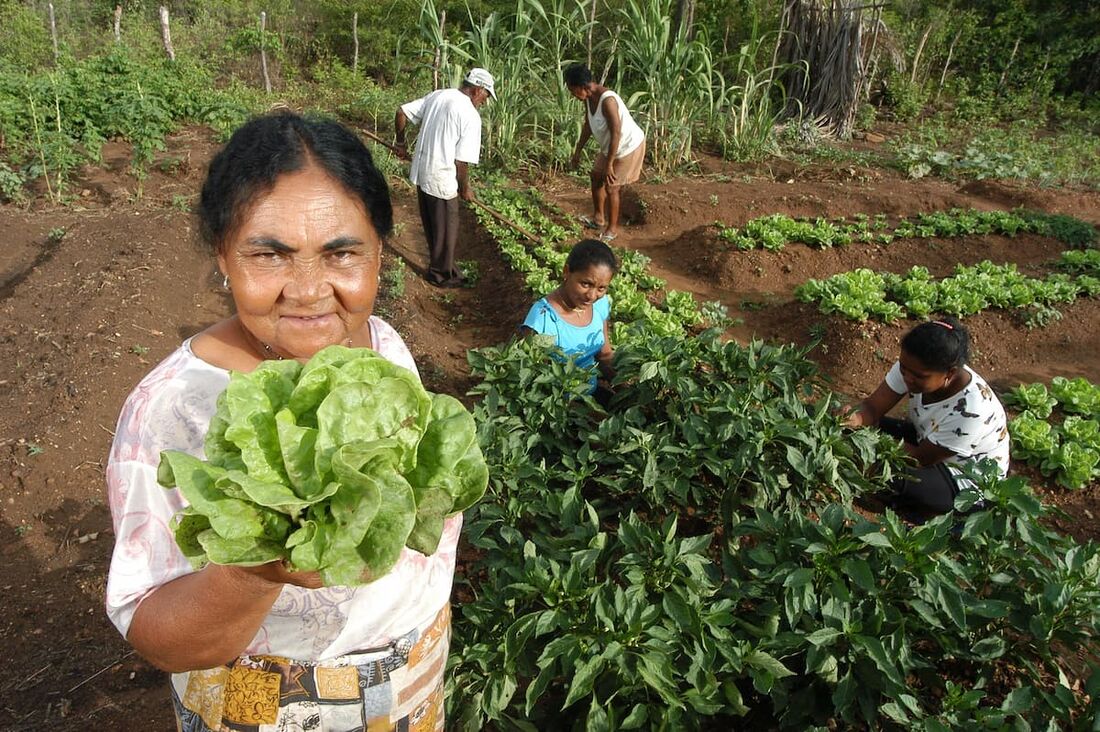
1003, 87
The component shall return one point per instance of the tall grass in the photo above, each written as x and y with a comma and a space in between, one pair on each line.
532, 122
674, 75
750, 105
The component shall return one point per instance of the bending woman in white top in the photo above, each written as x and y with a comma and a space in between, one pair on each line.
954, 417
622, 147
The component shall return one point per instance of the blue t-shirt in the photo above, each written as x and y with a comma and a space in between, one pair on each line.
582, 342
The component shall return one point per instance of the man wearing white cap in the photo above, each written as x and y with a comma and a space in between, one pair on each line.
449, 141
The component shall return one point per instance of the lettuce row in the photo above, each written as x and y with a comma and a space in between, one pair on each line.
333, 466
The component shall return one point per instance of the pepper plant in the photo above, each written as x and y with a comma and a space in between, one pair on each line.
689, 560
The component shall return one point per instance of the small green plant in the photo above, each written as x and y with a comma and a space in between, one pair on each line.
714, 200
393, 278
1039, 316
55, 235
865, 116
1077, 395
905, 98
22, 530
1034, 398
33, 448
11, 185
139, 350
181, 203
470, 270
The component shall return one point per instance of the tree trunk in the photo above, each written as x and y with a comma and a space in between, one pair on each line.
611, 54
1011, 57
355, 41
166, 34
872, 59
825, 60
684, 19
438, 51
263, 51
920, 50
118, 23
950, 53
53, 35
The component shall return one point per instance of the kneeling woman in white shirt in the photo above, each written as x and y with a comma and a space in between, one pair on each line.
954, 417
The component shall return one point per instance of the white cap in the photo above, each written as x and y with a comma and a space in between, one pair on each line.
482, 78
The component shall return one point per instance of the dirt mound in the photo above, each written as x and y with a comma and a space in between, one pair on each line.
1006, 194
857, 355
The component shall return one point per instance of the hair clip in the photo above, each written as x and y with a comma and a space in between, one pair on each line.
945, 325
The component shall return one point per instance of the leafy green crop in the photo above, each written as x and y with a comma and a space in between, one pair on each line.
335, 466
1032, 437
775, 231
688, 560
1074, 464
1033, 397
1076, 395
1070, 452
862, 294
1083, 261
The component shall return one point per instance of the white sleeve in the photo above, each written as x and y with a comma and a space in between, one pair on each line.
389, 344
145, 555
894, 379
468, 147
413, 109
169, 409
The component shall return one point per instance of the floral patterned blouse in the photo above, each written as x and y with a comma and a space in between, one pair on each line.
171, 409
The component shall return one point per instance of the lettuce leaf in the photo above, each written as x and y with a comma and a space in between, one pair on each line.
334, 466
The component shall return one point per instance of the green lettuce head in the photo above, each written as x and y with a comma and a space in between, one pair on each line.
333, 466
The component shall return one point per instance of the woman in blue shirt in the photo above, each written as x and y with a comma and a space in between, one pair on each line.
576, 313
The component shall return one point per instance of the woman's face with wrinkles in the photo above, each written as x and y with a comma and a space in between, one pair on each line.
303, 265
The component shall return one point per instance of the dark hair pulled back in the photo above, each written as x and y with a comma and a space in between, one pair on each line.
940, 345
591, 253
577, 75
268, 147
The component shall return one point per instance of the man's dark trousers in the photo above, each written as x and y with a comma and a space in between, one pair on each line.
440, 219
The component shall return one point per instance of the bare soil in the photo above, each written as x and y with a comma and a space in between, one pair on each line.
86, 311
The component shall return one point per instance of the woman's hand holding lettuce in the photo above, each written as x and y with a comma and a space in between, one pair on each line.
333, 466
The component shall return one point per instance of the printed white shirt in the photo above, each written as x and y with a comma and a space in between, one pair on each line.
972, 424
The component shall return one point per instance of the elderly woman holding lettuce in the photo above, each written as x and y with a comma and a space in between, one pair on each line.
229, 444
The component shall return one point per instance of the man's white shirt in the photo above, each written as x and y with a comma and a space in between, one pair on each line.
450, 130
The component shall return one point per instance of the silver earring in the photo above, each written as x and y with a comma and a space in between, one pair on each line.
225, 281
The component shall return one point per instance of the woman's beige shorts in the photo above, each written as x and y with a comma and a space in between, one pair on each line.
627, 168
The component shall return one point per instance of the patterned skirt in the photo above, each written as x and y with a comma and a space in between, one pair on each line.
399, 688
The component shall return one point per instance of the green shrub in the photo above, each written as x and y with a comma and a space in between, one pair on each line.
904, 98
24, 36
11, 184
688, 559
